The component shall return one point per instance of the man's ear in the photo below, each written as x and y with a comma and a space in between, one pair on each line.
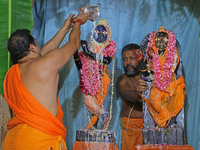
32, 48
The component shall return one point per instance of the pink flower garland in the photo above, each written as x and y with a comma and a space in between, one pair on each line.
91, 72
110, 49
162, 81
89, 82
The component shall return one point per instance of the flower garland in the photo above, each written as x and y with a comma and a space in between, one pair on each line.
89, 82
111, 99
110, 49
91, 71
161, 81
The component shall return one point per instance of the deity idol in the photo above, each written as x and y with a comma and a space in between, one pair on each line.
167, 92
94, 74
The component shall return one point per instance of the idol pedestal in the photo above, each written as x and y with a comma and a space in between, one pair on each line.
98, 140
155, 138
173, 136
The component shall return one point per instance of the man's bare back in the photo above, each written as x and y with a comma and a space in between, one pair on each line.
39, 70
41, 85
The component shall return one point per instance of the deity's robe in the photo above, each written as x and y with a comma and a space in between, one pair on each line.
167, 103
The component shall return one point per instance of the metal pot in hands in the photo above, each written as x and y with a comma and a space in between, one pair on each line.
91, 8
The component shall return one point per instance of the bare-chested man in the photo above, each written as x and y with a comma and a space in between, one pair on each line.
31, 87
129, 86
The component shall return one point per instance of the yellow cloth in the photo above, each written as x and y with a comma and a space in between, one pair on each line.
131, 135
29, 111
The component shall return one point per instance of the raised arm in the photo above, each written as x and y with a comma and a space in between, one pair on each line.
55, 59
58, 38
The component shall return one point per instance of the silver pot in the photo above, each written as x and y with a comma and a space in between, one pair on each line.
91, 8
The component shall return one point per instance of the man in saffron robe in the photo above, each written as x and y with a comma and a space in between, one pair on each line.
31, 88
130, 85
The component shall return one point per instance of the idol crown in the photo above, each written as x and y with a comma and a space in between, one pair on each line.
161, 29
103, 21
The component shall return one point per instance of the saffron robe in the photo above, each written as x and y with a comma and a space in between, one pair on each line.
131, 134
34, 126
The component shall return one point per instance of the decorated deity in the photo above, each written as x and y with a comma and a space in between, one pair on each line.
94, 74
161, 53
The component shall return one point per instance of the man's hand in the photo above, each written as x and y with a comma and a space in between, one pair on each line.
68, 22
142, 86
82, 18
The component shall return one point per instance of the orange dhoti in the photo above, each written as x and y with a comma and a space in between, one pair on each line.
131, 134
165, 104
33, 126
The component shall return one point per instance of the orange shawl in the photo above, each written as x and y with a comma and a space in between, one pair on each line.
165, 104
28, 110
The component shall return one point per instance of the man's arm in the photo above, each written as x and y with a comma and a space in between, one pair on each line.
55, 59
58, 38
125, 91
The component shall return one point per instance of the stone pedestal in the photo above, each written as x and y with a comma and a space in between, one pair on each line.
95, 136
99, 140
173, 136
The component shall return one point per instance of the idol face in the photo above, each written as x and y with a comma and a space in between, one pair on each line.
130, 62
161, 40
100, 34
